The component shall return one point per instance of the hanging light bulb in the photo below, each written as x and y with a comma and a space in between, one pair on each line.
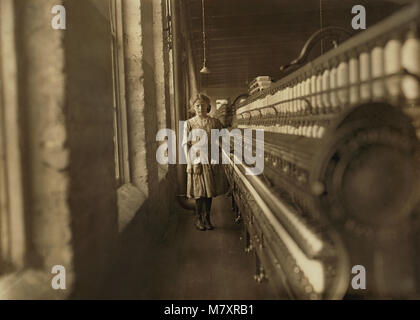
204, 69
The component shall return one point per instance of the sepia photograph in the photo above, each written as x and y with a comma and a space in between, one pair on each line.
209, 150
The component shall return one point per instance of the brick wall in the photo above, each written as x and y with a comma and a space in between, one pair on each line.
75, 215
89, 106
41, 87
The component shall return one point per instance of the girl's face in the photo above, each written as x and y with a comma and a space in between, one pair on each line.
200, 108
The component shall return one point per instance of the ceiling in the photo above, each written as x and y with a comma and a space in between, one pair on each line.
248, 38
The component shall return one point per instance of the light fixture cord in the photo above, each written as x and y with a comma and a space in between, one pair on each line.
204, 32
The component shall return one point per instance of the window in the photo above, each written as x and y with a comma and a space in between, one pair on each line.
120, 111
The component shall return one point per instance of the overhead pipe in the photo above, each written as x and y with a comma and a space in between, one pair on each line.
180, 98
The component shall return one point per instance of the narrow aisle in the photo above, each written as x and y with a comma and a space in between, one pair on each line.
212, 264
190, 264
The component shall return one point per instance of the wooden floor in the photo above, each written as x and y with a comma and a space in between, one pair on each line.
192, 264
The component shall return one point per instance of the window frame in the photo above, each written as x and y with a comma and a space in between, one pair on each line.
12, 221
122, 165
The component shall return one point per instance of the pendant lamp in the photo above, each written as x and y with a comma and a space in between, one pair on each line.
204, 69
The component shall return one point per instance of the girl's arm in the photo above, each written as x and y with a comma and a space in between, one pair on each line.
186, 144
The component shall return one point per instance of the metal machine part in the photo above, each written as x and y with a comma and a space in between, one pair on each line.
341, 169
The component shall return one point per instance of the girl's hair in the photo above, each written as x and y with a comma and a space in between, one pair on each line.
202, 97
